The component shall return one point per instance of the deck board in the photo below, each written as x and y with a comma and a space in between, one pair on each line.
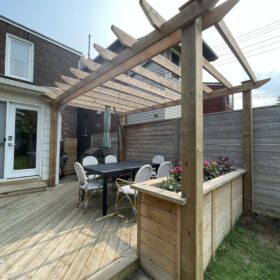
45, 236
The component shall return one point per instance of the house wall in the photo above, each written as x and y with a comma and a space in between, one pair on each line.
50, 60
223, 135
27, 97
91, 123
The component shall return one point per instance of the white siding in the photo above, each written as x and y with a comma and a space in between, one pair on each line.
13, 94
146, 117
46, 143
173, 112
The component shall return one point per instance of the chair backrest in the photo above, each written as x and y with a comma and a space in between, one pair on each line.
143, 174
164, 169
110, 159
90, 160
158, 159
82, 178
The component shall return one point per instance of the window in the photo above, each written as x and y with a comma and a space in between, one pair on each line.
175, 58
19, 58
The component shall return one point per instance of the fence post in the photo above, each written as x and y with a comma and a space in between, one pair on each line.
248, 153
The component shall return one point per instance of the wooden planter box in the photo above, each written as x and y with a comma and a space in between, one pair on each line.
159, 220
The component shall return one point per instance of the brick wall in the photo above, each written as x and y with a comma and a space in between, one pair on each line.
50, 60
69, 122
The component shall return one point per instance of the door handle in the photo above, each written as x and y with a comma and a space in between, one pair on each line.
11, 144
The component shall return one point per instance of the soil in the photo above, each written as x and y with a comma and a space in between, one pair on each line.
266, 230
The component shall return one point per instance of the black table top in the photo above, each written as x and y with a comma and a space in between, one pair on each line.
109, 169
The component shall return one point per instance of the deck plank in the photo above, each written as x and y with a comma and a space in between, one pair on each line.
45, 236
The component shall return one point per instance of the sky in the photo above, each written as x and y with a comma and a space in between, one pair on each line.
254, 23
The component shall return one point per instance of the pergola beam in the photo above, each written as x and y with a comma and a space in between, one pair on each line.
214, 94
94, 99
215, 73
149, 46
107, 54
112, 92
232, 44
155, 19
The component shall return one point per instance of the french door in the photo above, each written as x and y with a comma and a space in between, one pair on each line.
23, 142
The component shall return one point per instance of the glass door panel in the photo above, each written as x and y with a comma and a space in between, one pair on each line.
26, 122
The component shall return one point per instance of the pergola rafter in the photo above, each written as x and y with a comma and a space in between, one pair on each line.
109, 84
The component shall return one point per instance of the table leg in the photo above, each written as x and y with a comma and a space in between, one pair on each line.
105, 205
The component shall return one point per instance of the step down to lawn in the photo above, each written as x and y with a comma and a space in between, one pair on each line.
22, 188
120, 269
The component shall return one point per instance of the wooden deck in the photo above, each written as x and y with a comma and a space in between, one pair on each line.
45, 236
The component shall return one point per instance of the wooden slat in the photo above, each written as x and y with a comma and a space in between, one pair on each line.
159, 203
214, 94
157, 259
109, 55
158, 216
158, 230
70, 147
236, 89
232, 44
191, 251
165, 249
155, 19
215, 73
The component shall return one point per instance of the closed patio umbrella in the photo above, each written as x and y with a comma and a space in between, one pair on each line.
107, 127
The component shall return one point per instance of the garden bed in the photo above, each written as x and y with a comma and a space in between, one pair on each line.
159, 220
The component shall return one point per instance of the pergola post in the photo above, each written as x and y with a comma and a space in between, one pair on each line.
191, 266
248, 153
53, 145
122, 138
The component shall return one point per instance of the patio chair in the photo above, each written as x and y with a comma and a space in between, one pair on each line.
110, 159
87, 188
124, 189
91, 160
159, 159
164, 169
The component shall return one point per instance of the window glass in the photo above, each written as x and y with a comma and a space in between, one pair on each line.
19, 60
175, 58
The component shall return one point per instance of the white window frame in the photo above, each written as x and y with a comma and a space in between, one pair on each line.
8, 55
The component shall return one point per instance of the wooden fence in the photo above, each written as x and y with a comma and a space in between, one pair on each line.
222, 136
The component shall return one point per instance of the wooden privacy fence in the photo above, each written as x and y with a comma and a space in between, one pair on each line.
222, 136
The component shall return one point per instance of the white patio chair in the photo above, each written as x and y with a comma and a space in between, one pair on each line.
110, 159
124, 189
86, 187
158, 159
164, 169
91, 160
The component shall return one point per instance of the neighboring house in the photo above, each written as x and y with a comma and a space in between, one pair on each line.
29, 63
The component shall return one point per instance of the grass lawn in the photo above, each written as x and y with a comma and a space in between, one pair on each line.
244, 255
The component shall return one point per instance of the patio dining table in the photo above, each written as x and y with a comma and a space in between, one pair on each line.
107, 170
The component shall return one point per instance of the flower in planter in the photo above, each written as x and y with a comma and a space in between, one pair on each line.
176, 172
211, 170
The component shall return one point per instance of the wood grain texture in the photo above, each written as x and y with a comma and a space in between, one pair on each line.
45, 236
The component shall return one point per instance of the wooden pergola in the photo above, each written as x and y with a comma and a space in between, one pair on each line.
109, 84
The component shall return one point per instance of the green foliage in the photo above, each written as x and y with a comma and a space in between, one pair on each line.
171, 184
242, 256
